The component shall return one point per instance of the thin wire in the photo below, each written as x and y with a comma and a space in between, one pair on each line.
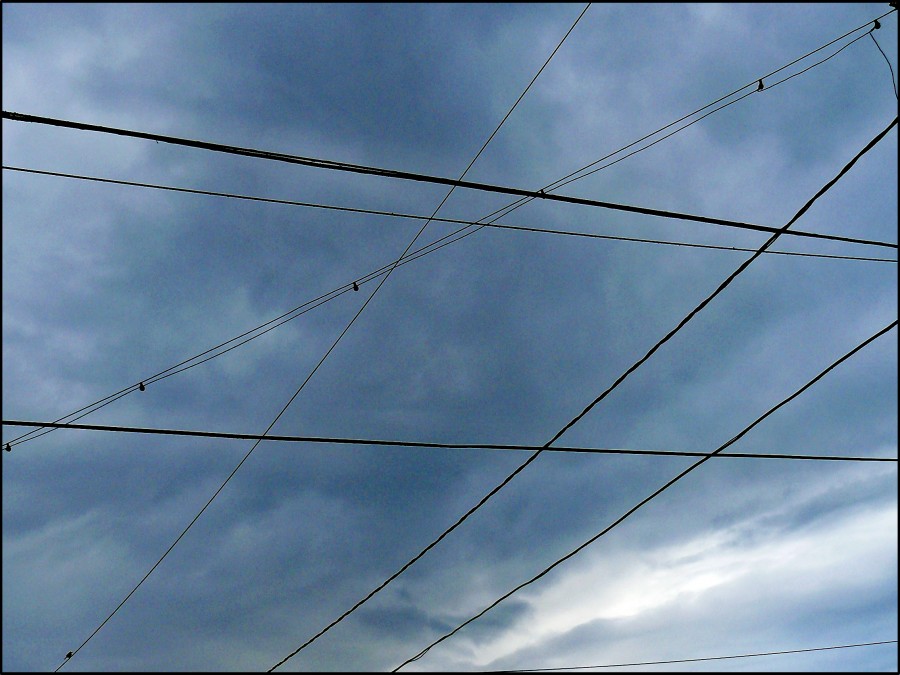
384, 278
424, 444
393, 214
727, 281
656, 493
634, 367
406, 175
322, 299
706, 658
506, 210
752, 83
448, 239
782, 81
661, 342
692, 122
888, 61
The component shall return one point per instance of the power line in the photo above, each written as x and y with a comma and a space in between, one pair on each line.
423, 444
406, 175
752, 83
572, 177
659, 491
569, 178
692, 122
449, 238
393, 214
544, 193
615, 384
888, 61
705, 658
327, 297
730, 278
384, 278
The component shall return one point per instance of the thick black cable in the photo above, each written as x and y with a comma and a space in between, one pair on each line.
705, 658
730, 278
384, 270
552, 186
331, 295
326, 440
275, 323
317, 302
659, 491
327, 353
615, 384
448, 239
406, 175
565, 180
393, 214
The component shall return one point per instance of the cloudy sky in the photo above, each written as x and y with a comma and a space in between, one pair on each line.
502, 337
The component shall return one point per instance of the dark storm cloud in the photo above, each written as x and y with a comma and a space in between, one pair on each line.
502, 337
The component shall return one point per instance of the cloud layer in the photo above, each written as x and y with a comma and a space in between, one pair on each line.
502, 337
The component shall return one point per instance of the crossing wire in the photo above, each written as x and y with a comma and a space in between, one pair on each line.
422, 444
424, 178
656, 493
753, 83
597, 400
448, 239
71, 654
768, 87
438, 219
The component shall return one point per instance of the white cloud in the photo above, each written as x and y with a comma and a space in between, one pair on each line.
751, 563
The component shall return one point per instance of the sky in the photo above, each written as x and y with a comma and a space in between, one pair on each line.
500, 338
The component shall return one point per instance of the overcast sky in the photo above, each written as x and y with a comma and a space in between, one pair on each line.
502, 337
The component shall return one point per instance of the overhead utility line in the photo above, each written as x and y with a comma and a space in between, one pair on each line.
656, 493
406, 175
394, 214
705, 658
452, 237
69, 655
422, 444
603, 395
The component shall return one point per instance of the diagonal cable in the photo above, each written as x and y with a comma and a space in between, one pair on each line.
71, 654
449, 238
615, 384
659, 491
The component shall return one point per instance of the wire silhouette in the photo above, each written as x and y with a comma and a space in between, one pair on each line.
612, 387
423, 444
406, 175
705, 658
434, 218
656, 493
324, 357
449, 238
692, 122
886, 59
